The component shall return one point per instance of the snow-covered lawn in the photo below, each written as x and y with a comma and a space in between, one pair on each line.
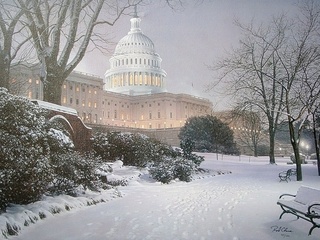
240, 205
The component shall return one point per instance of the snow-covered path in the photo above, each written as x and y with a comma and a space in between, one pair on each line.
241, 205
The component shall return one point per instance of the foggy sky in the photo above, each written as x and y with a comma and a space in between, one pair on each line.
189, 39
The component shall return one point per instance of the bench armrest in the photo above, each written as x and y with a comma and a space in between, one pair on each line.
314, 209
283, 173
286, 194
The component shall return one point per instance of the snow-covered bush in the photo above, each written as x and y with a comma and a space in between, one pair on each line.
72, 170
132, 149
163, 171
138, 150
183, 169
37, 156
172, 168
24, 150
59, 139
188, 146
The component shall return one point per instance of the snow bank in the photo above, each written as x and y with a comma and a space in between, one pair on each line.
17, 217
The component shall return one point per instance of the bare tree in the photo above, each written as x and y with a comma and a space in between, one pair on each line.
315, 126
62, 30
251, 133
12, 39
252, 72
300, 61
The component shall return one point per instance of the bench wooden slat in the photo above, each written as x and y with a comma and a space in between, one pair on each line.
306, 195
294, 205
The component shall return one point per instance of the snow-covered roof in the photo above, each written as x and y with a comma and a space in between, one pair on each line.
55, 107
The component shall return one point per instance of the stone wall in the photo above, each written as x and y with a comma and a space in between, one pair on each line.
166, 135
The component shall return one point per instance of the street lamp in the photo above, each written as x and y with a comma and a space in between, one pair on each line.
306, 147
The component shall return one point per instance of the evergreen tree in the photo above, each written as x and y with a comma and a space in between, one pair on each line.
209, 134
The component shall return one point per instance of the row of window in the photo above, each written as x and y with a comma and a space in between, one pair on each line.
126, 117
135, 79
78, 89
135, 43
93, 118
115, 115
77, 102
131, 61
142, 105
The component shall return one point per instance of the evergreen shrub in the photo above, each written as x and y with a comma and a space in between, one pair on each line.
132, 149
71, 171
173, 168
24, 151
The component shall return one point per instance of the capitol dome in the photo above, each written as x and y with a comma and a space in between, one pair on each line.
135, 67
135, 41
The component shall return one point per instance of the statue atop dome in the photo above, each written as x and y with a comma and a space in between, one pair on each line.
135, 11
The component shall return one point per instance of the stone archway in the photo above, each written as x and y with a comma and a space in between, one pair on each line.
80, 133
66, 124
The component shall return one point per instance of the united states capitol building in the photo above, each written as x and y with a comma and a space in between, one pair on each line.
132, 93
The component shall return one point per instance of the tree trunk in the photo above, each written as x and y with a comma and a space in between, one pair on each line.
272, 144
295, 146
4, 73
52, 89
255, 151
316, 142
318, 154
298, 161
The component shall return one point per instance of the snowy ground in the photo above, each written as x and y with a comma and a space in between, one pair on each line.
241, 205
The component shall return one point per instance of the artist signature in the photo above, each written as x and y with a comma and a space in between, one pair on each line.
280, 229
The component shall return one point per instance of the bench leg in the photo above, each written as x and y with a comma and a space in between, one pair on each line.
283, 179
288, 211
314, 226
311, 229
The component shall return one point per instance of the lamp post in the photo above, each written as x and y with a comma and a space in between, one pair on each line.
280, 151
